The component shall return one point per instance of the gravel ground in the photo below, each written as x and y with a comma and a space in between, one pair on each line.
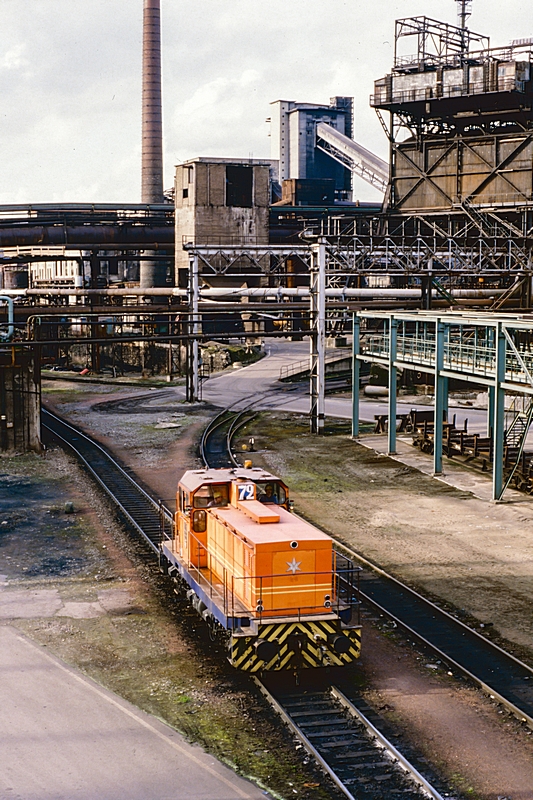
82, 586
472, 556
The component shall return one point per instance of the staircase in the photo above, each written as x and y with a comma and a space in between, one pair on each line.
515, 436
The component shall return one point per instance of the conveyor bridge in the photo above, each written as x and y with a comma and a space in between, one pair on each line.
350, 154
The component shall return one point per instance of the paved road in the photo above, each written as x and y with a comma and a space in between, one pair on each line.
64, 737
258, 384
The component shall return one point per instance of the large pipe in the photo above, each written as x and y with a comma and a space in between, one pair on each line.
277, 292
153, 273
104, 237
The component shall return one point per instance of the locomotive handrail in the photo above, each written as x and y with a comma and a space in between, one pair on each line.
206, 577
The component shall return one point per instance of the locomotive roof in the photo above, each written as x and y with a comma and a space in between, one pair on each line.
289, 527
193, 479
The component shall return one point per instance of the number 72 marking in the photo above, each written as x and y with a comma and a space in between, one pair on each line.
246, 491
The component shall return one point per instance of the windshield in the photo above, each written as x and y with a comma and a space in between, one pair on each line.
271, 492
211, 496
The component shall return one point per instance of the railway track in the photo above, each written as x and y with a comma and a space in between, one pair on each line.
215, 445
502, 676
463, 649
149, 517
338, 735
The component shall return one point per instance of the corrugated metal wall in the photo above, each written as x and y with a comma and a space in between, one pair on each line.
442, 173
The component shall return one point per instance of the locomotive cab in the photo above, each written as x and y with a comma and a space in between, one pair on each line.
269, 582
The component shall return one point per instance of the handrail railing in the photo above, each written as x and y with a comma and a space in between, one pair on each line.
462, 356
297, 367
340, 584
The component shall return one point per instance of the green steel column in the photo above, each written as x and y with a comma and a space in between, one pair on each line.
393, 339
490, 409
498, 419
355, 376
440, 388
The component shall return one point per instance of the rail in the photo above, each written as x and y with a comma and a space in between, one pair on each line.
426, 93
216, 441
498, 673
299, 367
150, 518
460, 356
347, 745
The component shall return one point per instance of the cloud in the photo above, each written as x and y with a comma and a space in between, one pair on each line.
14, 58
70, 78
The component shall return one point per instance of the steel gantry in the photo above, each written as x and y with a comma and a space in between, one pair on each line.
495, 351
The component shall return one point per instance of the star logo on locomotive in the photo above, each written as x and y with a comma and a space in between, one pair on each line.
293, 565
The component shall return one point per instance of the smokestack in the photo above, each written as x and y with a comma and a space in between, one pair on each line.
152, 118
153, 273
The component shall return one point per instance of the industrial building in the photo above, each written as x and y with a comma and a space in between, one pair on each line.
220, 201
294, 147
461, 120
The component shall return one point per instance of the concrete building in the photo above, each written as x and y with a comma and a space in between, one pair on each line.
294, 141
220, 201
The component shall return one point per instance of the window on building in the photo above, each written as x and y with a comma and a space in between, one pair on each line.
239, 185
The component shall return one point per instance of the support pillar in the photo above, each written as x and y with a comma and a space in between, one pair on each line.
355, 376
498, 420
318, 336
193, 366
490, 409
445, 401
427, 291
440, 401
393, 383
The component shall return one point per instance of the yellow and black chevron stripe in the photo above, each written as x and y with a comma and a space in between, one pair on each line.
297, 645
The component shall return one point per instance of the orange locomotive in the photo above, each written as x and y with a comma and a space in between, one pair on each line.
265, 580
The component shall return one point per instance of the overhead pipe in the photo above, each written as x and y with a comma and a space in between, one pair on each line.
104, 237
274, 292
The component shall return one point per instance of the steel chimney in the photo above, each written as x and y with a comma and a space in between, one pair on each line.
152, 117
152, 272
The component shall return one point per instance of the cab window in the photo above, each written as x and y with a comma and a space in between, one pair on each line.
211, 496
271, 492
183, 500
199, 521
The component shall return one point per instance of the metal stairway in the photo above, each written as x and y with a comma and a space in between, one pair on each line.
516, 434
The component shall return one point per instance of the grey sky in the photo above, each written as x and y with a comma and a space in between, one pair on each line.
70, 78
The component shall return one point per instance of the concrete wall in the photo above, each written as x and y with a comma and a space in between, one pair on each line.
203, 215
